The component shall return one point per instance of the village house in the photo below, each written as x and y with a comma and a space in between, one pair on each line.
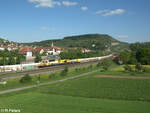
53, 50
3, 48
9, 48
84, 50
26, 51
39, 50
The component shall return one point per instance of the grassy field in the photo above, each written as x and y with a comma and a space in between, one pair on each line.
88, 94
34, 102
109, 88
114, 70
119, 70
14, 83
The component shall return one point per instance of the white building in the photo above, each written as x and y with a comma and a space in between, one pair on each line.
53, 50
2, 48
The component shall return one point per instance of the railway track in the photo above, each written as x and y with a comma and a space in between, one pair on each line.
50, 69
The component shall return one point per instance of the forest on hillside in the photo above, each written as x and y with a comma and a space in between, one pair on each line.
98, 42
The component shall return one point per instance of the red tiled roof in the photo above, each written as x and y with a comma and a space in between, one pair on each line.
51, 48
55, 47
47, 48
24, 50
5, 47
38, 49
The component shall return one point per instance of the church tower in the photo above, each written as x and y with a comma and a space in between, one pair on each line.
52, 44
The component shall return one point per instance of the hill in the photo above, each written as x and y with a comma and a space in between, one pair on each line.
1, 40
4, 42
90, 41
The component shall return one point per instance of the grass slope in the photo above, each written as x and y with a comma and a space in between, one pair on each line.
119, 70
109, 88
88, 94
14, 83
45, 103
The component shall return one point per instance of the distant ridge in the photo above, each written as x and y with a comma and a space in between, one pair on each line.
100, 42
89, 36
2, 40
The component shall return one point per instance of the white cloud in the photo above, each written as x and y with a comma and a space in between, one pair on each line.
51, 3
84, 8
45, 3
68, 3
123, 36
102, 11
114, 12
107, 12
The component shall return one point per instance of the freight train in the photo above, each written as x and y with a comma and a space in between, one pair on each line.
46, 63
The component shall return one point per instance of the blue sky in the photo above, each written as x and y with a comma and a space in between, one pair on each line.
36, 20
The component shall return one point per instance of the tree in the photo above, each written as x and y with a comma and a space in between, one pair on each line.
99, 64
4, 61
66, 69
26, 78
52, 75
105, 64
143, 56
138, 46
132, 59
14, 53
135, 46
11, 60
18, 59
127, 68
124, 56
38, 59
64, 72
6, 53
139, 67
76, 53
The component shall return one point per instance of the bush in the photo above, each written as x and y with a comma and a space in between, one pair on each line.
99, 64
64, 72
83, 68
52, 75
146, 69
66, 69
139, 67
105, 68
105, 64
77, 69
38, 59
26, 78
128, 68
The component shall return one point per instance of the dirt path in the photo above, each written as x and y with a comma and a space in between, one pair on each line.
123, 77
47, 83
